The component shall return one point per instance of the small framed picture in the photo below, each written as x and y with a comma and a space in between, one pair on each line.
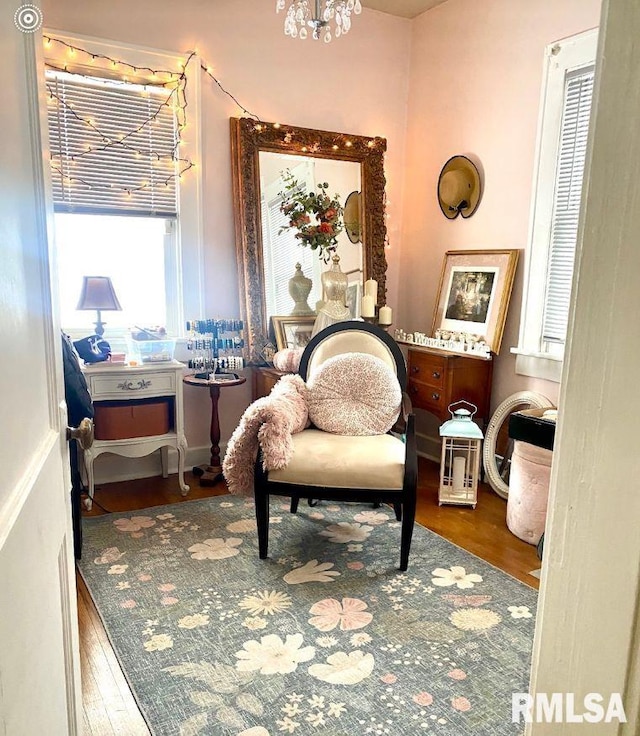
292, 332
474, 293
354, 292
267, 353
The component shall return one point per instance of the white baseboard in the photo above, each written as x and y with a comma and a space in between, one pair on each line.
109, 468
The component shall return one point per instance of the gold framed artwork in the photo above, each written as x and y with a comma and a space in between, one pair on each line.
474, 292
292, 332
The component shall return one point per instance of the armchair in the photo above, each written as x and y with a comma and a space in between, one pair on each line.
372, 468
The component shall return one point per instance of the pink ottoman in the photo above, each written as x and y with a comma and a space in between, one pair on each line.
528, 491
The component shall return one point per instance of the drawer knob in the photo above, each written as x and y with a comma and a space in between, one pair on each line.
436, 374
134, 385
414, 389
435, 397
415, 369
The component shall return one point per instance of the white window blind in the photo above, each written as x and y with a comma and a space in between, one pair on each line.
119, 163
566, 206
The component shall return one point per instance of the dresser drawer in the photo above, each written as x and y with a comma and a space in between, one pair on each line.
136, 384
264, 379
427, 368
117, 420
429, 398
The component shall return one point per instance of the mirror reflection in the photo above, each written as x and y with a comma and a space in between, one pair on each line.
281, 250
260, 153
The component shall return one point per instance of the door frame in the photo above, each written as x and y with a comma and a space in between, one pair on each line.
588, 633
43, 206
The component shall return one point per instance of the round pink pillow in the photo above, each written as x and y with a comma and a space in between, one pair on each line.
287, 360
354, 394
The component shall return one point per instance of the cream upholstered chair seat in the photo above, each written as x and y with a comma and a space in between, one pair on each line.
337, 461
367, 468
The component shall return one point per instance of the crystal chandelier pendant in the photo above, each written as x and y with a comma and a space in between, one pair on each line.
326, 18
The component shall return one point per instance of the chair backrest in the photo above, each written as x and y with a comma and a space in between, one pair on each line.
353, 337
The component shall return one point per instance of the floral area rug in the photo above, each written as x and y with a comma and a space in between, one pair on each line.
325, 638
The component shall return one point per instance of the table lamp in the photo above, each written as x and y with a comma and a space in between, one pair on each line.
98, 293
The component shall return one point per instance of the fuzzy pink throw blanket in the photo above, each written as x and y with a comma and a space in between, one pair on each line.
268, 423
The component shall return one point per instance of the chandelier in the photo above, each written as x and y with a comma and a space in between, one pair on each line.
325, 14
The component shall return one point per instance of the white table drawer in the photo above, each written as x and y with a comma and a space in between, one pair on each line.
134, 384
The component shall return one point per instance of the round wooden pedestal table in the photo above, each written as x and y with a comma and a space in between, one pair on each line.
209, 474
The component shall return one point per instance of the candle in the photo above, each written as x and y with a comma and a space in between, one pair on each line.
385, 315
367, 306
458, 474
371, 289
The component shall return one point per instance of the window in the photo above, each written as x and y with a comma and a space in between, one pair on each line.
562, 150
133, 251
120, 209
282, 250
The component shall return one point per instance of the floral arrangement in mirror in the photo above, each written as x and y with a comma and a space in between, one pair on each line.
315, 215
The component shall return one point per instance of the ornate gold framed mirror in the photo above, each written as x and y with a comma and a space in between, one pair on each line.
257, 147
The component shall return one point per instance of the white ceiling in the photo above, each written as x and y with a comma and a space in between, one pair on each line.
403, 8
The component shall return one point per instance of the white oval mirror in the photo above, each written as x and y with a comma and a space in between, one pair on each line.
496, 450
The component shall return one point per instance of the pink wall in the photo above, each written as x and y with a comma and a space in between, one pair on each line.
355, 85
476, 74
472, 73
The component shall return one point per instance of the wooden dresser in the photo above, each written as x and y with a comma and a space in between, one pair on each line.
438, 378
264, 379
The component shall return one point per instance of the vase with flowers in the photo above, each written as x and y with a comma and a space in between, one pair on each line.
316, 216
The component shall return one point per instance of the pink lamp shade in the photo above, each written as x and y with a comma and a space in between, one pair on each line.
98, 293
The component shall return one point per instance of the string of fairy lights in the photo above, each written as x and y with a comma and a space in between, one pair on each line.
176, 101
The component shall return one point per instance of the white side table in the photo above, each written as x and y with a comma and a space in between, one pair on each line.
130, 383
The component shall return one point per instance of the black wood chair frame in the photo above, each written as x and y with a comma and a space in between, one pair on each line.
403, 501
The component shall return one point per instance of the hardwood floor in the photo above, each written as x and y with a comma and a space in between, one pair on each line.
109, 708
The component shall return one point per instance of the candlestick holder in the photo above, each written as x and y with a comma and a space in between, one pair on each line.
375, 321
